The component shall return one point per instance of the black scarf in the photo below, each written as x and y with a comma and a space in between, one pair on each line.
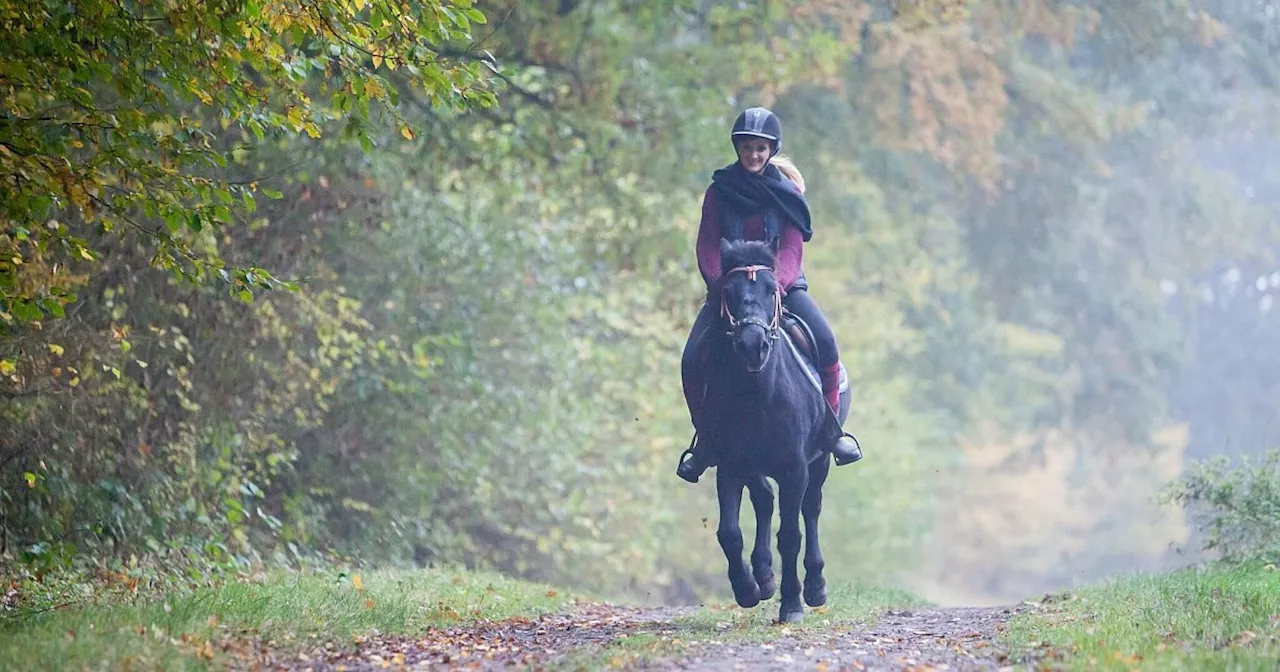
740, 195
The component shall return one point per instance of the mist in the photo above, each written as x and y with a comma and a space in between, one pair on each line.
1045, 235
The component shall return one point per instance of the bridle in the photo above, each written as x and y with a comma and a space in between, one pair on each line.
771, 328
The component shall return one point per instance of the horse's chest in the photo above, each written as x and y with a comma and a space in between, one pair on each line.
758, 432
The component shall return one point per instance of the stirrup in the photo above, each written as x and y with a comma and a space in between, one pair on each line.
685, 467
687, 470
857, 448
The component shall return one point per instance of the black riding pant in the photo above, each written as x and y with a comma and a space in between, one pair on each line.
803, 306
692, 364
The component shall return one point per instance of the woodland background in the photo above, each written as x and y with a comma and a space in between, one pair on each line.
284, 281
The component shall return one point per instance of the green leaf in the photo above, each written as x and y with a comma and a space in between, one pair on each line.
27, 311
53, 307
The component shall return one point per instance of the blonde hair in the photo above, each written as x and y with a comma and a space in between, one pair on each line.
789, 170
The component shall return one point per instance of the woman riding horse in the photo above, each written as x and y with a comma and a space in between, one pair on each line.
751, 199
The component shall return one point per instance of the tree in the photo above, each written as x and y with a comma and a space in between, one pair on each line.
121, 118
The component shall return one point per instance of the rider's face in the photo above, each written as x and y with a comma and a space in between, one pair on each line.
753, 153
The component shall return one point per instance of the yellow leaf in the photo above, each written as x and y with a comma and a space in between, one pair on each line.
406, 132
86, 254
377, 61
7, 367
56, 349
357, 582
74, 381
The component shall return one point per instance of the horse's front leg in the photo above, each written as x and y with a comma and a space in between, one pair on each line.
729, 491
762, 555
815, 585
790, 493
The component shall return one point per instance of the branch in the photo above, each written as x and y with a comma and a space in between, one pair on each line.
499, 26
278, 173
14, 455
26, 614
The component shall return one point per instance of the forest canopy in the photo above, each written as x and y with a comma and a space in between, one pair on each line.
408, 282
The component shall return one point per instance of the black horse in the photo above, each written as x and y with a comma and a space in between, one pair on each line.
767, 418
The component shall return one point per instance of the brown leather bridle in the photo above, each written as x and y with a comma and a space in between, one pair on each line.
734, 323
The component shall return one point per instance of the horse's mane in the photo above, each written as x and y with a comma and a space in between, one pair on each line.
747, 253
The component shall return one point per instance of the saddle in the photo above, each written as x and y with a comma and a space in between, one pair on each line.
806, 345
801, 335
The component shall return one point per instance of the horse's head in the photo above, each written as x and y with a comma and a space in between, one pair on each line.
750, 300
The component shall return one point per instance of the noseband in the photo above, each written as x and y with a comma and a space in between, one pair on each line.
771, 328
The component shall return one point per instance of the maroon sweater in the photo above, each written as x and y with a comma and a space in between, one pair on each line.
790, 245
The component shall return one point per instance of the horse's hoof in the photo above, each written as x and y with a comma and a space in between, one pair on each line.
815, 597
745, 591
791, 616
768, 586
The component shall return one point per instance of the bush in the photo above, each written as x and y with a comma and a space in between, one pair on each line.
1236, 506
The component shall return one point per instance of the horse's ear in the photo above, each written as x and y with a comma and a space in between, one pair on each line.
724, 247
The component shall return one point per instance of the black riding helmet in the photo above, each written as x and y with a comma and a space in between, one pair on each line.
758, 122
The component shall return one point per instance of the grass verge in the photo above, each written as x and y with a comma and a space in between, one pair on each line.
1213, 619
198, 628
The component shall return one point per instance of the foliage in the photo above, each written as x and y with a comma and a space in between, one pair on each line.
480, 364
1236, 505
1217, 618
121, 119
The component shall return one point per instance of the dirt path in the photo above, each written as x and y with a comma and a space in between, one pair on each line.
594, 636
937, 639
